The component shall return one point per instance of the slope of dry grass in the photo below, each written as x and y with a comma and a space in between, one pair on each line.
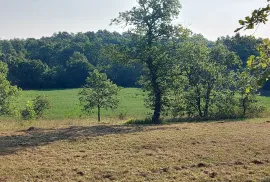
216, 151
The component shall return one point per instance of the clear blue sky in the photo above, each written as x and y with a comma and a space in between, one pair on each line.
37, 18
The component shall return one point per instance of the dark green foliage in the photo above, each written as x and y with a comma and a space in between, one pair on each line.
244, 46
50, 62
77, 69
30, 74
45, 63
207, 83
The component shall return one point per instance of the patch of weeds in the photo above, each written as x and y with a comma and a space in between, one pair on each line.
147, 121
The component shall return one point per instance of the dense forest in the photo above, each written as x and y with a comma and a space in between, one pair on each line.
65, 59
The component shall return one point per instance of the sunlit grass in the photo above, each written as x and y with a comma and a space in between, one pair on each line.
66, 105
61, 151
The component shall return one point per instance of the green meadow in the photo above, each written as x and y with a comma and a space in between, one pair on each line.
66, 104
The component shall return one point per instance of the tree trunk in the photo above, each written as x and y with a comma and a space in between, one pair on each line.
198, 101
157, 93
157, 110
98, 114
244, 105
207, 100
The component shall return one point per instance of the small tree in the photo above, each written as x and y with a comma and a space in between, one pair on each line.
99, 92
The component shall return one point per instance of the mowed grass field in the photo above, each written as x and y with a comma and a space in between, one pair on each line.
68, 145
215, 151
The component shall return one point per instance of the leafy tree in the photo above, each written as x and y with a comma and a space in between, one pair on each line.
150, 22
30, 73
244, 46
7, 48
19, 47
8, 93
78, 68
203, 83
99, 92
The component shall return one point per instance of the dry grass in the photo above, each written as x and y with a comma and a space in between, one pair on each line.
216, 151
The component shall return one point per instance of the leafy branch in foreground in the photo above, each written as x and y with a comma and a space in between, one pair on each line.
258, 16
260, 65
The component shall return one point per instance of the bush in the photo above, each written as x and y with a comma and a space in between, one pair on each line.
35, 108
41, 104
28, 113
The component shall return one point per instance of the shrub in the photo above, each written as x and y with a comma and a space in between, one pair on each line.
41, 104
35, 108
28, 113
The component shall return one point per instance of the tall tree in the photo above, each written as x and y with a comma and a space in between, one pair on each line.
150, 22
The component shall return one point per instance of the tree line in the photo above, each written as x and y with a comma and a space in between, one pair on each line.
64, 59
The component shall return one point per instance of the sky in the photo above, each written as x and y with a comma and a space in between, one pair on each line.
37, 18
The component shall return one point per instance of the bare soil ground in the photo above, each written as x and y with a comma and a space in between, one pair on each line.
216, 151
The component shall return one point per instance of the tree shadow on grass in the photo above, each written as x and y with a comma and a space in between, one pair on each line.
148, 122
39, 137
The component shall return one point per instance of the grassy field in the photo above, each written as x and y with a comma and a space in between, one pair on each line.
65, 104
216, 151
